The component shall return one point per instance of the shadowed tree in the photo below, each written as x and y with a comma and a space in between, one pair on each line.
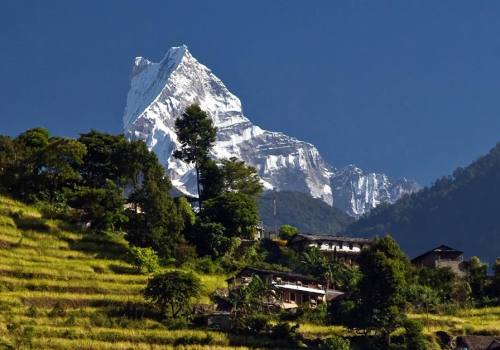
197, 134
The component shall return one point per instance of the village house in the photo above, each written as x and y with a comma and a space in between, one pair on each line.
477, 342
345, 248
443, 256
293, 289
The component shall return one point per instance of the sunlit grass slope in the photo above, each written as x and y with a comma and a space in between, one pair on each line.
61, 289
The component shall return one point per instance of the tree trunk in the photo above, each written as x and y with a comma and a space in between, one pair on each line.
198, 184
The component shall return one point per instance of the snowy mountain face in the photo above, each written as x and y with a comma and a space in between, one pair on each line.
160, 92
357, 192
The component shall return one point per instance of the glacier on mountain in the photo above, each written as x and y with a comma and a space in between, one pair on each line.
160, 92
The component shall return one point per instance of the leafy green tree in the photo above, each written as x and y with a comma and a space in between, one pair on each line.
107, 159
144, 259
441, 280
187, 216
196, 133
478, 278
154, 219
237, 212
101, 207
61, 159
210, 239
287, 231
211, 179
377, 302
239, 177
172, 292
7, 158
22, 163
383, 286
414, 337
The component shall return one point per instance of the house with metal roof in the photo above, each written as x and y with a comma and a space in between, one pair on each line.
293, 290
443, 256
344, 247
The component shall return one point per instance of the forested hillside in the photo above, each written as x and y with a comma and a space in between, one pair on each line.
460, 210
301, 210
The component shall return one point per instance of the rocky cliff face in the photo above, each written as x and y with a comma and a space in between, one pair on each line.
159, 94
357, 192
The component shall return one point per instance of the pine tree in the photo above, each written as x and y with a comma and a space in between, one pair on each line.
196, 133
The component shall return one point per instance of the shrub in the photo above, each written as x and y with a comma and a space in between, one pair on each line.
415, 340
145, 260
207, 265
172, 292
287, 231
207, 339
58, 310
335, 343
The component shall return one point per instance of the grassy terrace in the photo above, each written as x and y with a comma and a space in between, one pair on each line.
63, 289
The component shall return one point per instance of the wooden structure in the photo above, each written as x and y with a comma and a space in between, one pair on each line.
342, 247
443, 256
293, 289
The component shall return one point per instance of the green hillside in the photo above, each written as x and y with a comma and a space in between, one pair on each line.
61, 289
302, 211
459, 210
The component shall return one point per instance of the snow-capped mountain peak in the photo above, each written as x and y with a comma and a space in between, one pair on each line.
160, 92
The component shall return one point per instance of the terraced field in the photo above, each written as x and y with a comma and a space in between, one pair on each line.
60, 289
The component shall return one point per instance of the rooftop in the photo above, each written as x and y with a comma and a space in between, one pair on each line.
262, 272
333, 238
442, 249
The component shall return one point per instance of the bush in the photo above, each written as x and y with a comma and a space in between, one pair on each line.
287, 231
335, 343
415, 340
58, 310
145, 260
207, 339
172, 292
207, 265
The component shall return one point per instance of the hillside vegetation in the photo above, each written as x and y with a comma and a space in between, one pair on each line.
460, 210
301, 210
63, 289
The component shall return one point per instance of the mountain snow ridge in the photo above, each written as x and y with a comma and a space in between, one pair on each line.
160, 92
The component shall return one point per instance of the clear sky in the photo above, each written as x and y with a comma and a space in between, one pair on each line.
407, 88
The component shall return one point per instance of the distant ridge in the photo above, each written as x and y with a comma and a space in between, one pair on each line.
302, 211
461, 211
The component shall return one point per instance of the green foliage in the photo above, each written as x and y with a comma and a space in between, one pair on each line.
335, 343
172, 292
101, 207
287, 231
60, 161
36, 166
108, 158
478, 278
154, 219
377, 302
302, 211
144, 259
196, 134
460, 210
440, 280
211, 240
237, 212
414, 337
382, 288
239, 177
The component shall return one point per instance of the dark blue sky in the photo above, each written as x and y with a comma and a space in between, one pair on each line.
408, 88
